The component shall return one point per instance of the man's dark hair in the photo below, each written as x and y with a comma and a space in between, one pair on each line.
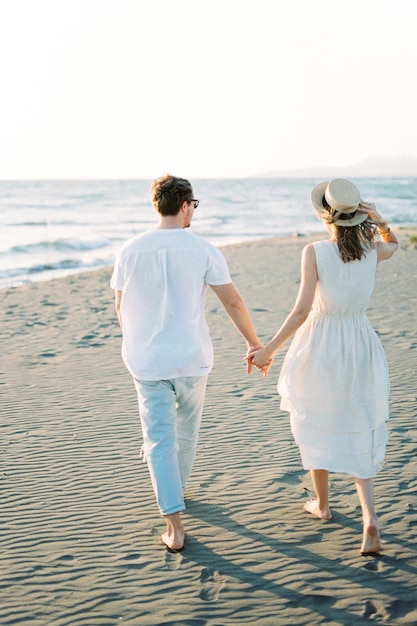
169, 192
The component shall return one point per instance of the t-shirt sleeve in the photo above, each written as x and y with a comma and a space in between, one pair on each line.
117, 279
218, 271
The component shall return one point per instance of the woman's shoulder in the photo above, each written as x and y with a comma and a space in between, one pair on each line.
323, 243
323, 246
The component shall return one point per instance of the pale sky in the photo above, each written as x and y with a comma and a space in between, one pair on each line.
216, 88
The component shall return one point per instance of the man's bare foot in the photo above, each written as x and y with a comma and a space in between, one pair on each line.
174, 537
173, 544
312, 506
371, 542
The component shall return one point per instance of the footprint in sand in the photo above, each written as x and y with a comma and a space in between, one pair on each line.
211, 585
374, 609
211, 480
373, 565
173, 561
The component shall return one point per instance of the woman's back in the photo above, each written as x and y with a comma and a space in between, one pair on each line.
344, 289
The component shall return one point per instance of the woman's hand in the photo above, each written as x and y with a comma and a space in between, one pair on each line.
261, 358
370, 209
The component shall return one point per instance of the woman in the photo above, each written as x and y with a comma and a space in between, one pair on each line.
334, 380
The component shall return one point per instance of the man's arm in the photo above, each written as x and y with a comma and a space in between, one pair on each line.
239, 314
237, 311
117, 303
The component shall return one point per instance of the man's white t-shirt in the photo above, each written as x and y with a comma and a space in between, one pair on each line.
164, 275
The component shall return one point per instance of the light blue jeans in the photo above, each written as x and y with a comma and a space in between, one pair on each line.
170, 414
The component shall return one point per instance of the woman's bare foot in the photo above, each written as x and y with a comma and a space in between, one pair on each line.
371, 542
174, 537
312, 506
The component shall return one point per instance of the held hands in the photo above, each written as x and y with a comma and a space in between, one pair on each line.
259, 357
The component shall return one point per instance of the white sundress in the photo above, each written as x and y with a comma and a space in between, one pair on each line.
334, 380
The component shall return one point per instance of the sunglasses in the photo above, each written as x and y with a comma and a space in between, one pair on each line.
195, 203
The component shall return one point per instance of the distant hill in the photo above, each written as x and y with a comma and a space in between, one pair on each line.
371, 167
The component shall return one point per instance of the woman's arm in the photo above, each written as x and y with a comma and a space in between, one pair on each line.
389, 242
301, 309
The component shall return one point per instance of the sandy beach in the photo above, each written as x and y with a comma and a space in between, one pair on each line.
79, 525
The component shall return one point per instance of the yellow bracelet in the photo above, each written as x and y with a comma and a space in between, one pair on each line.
387, 233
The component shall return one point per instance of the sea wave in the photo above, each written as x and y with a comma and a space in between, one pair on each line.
53, 228
60, 245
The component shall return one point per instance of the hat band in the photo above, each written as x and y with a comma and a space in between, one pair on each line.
337, 215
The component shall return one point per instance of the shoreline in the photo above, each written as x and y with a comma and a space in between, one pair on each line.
80, 533
410, 231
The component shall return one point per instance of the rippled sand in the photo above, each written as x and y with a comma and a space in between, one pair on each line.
79, 525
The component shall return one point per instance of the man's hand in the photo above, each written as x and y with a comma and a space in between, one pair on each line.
262, 363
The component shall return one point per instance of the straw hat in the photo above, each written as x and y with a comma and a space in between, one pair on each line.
337, 201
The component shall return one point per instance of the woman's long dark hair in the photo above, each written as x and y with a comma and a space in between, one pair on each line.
353, 241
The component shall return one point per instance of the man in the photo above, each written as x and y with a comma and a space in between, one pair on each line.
160, 279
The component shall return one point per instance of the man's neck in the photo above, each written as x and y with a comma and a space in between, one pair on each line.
170, 221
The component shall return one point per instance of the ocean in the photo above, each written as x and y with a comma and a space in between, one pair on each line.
51, 229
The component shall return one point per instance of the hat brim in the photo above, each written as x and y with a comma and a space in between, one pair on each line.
317, 199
